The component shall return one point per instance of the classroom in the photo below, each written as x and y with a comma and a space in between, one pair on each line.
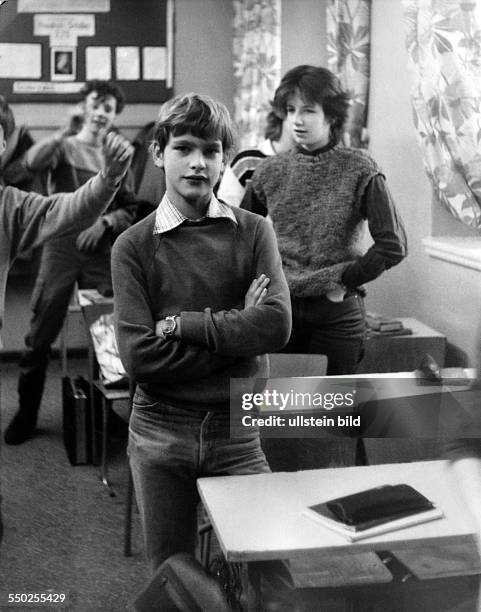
206, 304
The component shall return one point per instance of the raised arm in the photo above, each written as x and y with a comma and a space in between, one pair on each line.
32, 219
255, 329
147, 357
117, 218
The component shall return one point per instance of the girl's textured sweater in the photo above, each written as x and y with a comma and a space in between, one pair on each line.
316, 205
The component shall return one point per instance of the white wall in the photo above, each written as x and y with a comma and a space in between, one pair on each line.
443, 295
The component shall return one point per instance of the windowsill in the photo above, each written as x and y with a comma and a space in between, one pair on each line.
465, 252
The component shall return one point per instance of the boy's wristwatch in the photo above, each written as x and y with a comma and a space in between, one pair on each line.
168, 325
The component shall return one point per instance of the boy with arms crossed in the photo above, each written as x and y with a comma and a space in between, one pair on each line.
200, 297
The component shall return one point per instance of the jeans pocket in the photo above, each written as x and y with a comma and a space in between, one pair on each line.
144, 401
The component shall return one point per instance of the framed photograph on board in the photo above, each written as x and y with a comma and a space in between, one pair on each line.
63, 62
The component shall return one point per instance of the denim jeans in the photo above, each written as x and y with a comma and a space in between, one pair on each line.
335, 329
169, 448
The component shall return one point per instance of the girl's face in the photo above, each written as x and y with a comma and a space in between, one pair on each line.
309, 124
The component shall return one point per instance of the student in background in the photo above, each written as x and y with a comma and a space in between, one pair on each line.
83, 256
318, 197
13, 166
237, 176
200, 297
28, 219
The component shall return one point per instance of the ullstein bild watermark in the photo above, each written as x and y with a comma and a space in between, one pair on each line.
375, 407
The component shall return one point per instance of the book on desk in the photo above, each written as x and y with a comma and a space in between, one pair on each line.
374, 511
378, 324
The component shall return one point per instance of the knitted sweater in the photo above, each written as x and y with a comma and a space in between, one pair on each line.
315, 202
28, 219
202, 271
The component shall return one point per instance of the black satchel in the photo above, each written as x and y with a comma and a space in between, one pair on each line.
181, 584
77, 428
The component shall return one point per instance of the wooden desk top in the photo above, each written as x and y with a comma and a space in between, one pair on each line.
259, 517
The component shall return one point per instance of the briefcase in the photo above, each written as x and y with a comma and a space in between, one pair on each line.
77, 434
181, 584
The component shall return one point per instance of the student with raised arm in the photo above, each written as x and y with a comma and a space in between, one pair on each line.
71, 157
200, 297
28, 219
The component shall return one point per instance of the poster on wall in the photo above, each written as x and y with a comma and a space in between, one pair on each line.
20, 61
54, 41
63, 63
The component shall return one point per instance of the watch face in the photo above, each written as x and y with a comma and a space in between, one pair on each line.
168, 326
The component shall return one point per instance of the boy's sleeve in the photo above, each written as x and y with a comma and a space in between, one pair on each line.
33, 219
45, 154
145, 356
124, 207
251, 331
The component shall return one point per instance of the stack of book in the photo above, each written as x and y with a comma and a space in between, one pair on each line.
373, 512
385, 326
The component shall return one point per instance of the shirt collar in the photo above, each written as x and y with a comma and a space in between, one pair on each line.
168, 216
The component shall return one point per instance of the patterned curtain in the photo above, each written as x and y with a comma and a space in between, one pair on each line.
257, 65
443, 40
348, 49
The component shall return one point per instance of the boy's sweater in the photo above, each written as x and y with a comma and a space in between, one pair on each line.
315, 202
72, 163
202, 271
28, 219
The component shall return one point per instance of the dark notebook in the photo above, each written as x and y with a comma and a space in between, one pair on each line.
374, 511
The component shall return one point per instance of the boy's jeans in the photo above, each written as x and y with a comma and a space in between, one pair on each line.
169, 448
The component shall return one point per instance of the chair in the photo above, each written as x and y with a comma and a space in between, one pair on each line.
288, 365
293, 454
91, 312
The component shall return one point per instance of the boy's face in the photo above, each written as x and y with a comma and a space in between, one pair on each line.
99, 113
309, 124
192, 168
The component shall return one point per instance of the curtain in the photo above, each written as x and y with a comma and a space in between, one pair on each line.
257, 65
443, 40
348, 52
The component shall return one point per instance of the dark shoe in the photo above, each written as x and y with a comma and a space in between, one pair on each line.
22, 427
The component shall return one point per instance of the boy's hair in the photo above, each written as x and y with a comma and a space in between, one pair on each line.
316, 85
7, 120
274, 125
199, 115
104, 89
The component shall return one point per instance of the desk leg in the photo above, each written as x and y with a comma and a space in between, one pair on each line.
251, 581
105, 432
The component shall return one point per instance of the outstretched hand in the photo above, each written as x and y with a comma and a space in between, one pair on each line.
118, 153
257, 291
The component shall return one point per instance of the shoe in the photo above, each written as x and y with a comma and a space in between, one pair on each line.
21, 428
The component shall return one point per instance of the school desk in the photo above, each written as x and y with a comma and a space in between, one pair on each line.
259, 517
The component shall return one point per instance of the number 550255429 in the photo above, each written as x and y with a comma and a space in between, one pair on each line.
49, 597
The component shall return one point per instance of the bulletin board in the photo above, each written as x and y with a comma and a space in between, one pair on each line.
49, 48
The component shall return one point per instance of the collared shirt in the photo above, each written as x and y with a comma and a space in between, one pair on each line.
168, 216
